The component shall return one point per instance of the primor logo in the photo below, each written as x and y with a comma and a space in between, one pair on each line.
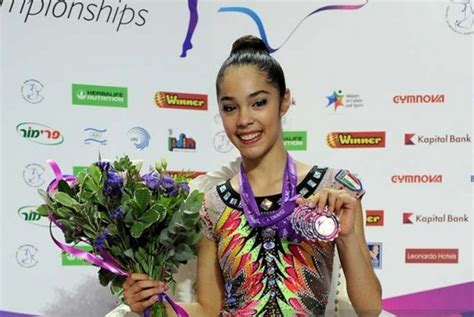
431, 255
373, 139
39, 133
182, 143
179, 100
374, 218
30, 215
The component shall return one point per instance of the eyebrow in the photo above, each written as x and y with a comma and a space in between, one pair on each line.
256, 93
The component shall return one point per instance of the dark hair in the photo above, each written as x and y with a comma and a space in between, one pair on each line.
250, 50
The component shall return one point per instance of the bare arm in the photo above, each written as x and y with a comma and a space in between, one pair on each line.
363, 287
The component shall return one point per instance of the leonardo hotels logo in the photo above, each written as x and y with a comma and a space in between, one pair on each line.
365, 139
103, 96
39, 133
412, 218
417, 179
431, 255
295, 140
180, 100
414, 139
374, 218
428, 99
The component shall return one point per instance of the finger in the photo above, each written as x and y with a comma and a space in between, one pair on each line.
139, 307
322, 201
143, 285
331, 203
338, 205
146, 294
300, 201
133, 278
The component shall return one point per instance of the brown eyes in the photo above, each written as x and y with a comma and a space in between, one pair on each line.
230, 108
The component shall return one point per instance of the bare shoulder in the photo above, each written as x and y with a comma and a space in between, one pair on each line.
302, 170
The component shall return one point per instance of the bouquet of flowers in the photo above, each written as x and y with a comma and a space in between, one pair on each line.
134, 223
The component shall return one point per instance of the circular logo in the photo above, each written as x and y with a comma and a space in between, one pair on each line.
33, 175
81, 94
222, 143
460, 16
26, 255
31, 91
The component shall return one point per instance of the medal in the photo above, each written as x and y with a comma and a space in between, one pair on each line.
315, 226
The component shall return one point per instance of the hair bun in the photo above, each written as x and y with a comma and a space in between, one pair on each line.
249, 43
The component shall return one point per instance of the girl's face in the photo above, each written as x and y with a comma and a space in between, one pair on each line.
251, 109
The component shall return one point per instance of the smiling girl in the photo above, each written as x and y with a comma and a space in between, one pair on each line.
252, 260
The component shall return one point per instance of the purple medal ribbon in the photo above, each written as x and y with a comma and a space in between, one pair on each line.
107, 262
278, 219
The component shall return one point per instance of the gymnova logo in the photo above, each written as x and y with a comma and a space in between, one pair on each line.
30, 215
417, 178
180, 100
102, 96
39, 133
295, 140
418, 99
369, 139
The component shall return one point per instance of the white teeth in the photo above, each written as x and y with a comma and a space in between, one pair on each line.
248, 137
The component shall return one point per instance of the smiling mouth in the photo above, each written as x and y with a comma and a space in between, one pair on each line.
250, 138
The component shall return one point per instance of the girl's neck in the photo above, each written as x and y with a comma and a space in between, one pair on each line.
265, 174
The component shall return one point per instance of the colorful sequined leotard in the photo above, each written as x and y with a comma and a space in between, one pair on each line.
265, 275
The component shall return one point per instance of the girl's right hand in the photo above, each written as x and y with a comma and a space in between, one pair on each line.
140, 291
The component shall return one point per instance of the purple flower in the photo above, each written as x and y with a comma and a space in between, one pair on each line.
167, 182
152, 180
173, 191
100, 240
103, 166
184, 187
113, 186
117, 213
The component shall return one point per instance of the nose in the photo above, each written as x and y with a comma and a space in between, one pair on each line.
244, 119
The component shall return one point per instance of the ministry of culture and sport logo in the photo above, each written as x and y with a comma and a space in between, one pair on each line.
139, 137
349, 100
26, 255
31, 91
95, 136
39, 133
359, 139
181, 100
413, 139
460, 16
375, 251
33, 175
102, 96
181, 143
222, 143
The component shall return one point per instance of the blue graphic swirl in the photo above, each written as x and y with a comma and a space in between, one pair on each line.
261, 29
140, 137
96, 130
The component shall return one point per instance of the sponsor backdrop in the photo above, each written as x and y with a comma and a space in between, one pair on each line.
383, 89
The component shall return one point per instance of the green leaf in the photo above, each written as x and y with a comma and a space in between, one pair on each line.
95, 173
43, 210
134, 207
105, 277
112, 229
137, 229
183, 253
161, 209
128, 219
64, 187
63, 213
45, 196
129, 253
149, 217
142, 197
64, 199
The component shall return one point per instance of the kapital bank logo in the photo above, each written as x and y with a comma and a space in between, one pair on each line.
415, 218
413, 139
193, 20
110, 12
180, 100
39, 133
360, 139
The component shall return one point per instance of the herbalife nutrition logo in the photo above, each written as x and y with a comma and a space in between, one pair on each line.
295, 140
71, 260
104, 96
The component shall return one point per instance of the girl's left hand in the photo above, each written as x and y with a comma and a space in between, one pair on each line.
335, 201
